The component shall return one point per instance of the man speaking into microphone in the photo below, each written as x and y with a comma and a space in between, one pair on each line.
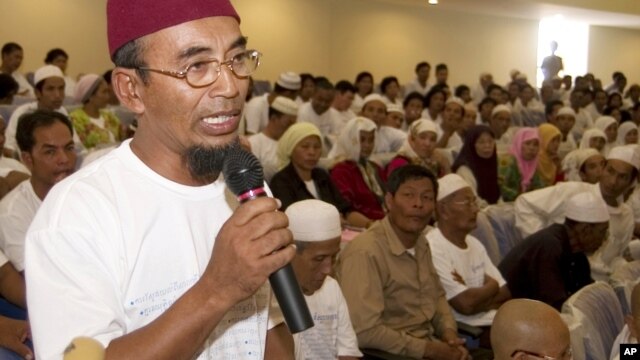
145, 250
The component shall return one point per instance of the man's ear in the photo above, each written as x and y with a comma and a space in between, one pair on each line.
127, 85
27, 160
388, 200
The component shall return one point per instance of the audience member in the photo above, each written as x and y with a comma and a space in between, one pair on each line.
485, 109
300, 178
345, 93
282, 114
95, 125
583, 165
421, 83
12, 171
473, 285
630, 333
518, 170
583, 118
463, 92
395, 298
390, 91
524, 329
500, 124
448, 138
477, 164
442, 74
413, 105
315, 226
359, 180
46, 145
593, 139
8, 89
469, 119
307, 88
627, 134
395, 116
434, 104
256, 112
549, 163
550, 265
480, 91
12, 56
564, 118
364, 87
596, 107
318, 112
420, 149
609, 126
527, 110
60, 58
388, 139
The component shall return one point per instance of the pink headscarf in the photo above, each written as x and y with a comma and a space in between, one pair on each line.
527, 168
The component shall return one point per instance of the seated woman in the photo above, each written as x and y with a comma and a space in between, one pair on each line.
300, 178
359, 180
420, 149
477, 164
95, 126
517, 170
609, 126
593, 139
549, 163
627, 133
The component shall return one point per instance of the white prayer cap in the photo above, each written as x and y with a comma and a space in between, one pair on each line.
47, 71
626, 153
373, 97
455, 100
313, 220
500, 108
449, 184
566, 111
394, 108
421, 125
289, 80
285, 105
585, 154
586, 207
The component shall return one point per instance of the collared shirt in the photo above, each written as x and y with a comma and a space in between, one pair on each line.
395, 299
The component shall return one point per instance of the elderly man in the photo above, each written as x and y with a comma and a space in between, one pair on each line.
551, 264
538, 209
282, 114
256, 113
500, 123
46, 145
473, 285
529, 329
395, 298
144, 250
316, 230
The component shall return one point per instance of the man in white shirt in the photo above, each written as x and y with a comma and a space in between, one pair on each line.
474, 286
448, 137
538, 209
256, 112
158, 260
318, 111
282, 114
345, 93
50, 85
12, 56
46, 143
421, 83
583, 119
316, 229
12, 171
388, 139
480, 91
596, 107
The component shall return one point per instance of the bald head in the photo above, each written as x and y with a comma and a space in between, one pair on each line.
529, 326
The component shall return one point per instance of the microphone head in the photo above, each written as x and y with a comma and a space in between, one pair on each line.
242, 171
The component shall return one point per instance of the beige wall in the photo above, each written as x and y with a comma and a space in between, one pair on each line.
336, 38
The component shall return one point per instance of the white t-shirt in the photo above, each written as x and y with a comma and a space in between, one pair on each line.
17, 210
265, 148
583, 122
415, 86
12, 126
328, 122
389, 139
115, 244
256, 114
8, 165
471, 264
332, 335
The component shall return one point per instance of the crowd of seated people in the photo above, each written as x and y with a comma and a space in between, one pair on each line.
410, 168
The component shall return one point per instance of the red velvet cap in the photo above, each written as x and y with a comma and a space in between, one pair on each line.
131, 19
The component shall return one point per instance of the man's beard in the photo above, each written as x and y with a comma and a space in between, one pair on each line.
206, 163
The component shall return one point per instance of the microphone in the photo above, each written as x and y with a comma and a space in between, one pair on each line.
84, 348
244, 177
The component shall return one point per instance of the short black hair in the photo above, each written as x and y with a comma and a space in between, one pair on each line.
129, 56
363, 75
441, 66
29, 122
10, 47
460, 89
53, 54
548, 108
434, 90
388, 81
487, 100
343, 86
405, 173
492, 87
412, 95
107, 76
323, 83
306, 76
8, 85
422, 64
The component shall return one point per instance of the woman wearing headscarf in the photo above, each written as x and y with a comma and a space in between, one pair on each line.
609, 126
583, 165
593, 139
627, 133
478, 164
360, 181
95, 126
517, 170
299, 177
549, 164
420, 149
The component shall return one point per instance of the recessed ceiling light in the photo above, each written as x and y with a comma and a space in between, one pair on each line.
433, 2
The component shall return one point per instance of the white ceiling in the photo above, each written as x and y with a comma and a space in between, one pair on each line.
617, 13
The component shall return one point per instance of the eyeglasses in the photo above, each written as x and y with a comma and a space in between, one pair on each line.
567, 355
469, 203
205, 72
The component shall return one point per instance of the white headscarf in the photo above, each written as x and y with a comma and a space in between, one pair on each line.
574, 160
624, 129
348, 144
417, 127
589, 134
